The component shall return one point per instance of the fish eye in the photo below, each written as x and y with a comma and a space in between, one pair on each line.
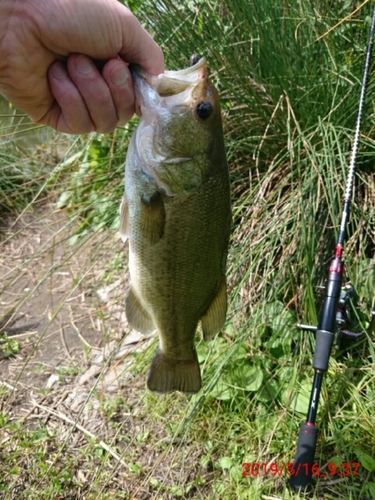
194, 59
204, 110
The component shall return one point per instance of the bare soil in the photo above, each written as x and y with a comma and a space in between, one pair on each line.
73, 373
38, 304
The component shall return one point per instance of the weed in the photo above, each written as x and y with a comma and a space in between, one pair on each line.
8, 346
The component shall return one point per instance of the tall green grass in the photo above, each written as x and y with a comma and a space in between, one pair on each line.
289, 90
22, 152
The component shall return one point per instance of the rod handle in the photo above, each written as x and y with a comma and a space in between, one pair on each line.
304, 459
323, 348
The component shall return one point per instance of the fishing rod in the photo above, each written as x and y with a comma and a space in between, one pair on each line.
332, 321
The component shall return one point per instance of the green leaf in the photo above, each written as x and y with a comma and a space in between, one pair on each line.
225, 462
336, 460
73, 239
365, 460
252, 377
236, 472
371, 489
222, 391
285, 374
299, 401
136, 468
177, 491
278, 347
230, 329
269, 391
63, 199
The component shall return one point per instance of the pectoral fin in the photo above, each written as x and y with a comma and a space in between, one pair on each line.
136, 314
124, 219
152, 217
214, 319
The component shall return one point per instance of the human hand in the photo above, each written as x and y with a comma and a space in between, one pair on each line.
43, 70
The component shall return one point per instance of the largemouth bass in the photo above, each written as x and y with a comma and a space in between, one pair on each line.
176, 214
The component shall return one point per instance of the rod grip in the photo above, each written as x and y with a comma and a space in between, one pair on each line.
304, 459
323, 348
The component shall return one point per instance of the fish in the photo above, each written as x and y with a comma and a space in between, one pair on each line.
176, 215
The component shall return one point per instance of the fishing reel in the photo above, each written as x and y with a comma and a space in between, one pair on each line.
343, 318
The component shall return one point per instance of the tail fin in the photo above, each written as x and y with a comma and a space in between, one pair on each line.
167, 374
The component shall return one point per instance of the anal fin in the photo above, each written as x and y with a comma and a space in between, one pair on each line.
136, 314
214, 318
167, 374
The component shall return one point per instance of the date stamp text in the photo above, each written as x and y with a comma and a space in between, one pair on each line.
279, 469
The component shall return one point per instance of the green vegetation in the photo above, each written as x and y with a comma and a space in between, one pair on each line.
289, 90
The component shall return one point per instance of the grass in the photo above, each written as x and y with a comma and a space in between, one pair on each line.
289, 91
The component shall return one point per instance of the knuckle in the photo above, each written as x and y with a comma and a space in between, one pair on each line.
106, 127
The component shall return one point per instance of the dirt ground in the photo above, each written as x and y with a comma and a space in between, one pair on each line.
50, 298
64, 306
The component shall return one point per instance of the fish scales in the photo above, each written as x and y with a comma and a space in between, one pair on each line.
176, 214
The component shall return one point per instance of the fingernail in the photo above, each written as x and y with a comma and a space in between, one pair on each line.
58, 71
119, 76
83, 65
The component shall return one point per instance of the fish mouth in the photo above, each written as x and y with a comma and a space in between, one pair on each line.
161, 101
169, 83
